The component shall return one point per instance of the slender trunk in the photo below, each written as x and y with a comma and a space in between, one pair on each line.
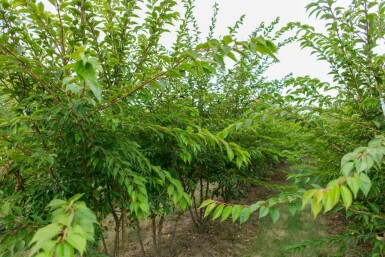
207, 190
104, 245
192, 217
174, 232
201, 199
117, 228
124, 230
194, 205
140, 239
160, 227
154, 233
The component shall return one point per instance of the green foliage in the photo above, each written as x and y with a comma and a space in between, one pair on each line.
71, 226
335, 120
339, 126
355, 167
243, 212
94, 103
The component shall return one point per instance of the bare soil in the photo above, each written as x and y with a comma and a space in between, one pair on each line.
255, 238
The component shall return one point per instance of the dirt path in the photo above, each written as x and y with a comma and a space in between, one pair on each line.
255, 238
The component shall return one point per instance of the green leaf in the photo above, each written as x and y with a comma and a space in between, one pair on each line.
245, 215
256, 206
76, 240
206, 202
92, 82
236, 212
78, 54
226, 213
47, 232
354, 184
227, 39
239, 161
64, 250
19, 246
209, 209
365, 183
230, 153
183, 204
5, 208
316, 207
273, 201
56, 203
217, 212
74, 88
347, 168
232, 56
75, 198
165, 58
274, 214
87, 73
335, 195
174, 73
328, 200
49, 246
263, 211
307, 195
170, 191
43, 236
347, 196
292, 208
63, 219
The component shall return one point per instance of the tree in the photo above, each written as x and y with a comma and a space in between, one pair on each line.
86, 84
335, 129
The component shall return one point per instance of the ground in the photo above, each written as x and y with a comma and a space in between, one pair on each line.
255, 238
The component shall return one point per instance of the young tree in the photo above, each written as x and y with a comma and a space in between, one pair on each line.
86, 86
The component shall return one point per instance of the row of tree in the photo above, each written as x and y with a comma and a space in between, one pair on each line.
93, 103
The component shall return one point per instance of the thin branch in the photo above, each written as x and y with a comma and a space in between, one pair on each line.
134, 90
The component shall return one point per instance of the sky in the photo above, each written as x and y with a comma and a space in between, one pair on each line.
292, 58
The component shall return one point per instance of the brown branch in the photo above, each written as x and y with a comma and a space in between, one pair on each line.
47, 30
100, 57
32, 74
19, 179
133, 91
62, 40
368, 213
17, 146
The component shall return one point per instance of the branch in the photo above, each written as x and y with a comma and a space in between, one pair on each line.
133, 91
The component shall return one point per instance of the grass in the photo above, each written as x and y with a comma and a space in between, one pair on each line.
289, 230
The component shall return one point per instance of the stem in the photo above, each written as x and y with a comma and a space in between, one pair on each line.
139, 235
133, 91
201, 198
192, 218
174, 231
195, 206
153, 219
160, 227
117, 226
104, 245
124, 230
62, 39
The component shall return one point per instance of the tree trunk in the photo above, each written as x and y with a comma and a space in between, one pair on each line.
140, 239
123, 219
154, 234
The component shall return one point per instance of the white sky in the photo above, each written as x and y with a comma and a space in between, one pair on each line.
292, 58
